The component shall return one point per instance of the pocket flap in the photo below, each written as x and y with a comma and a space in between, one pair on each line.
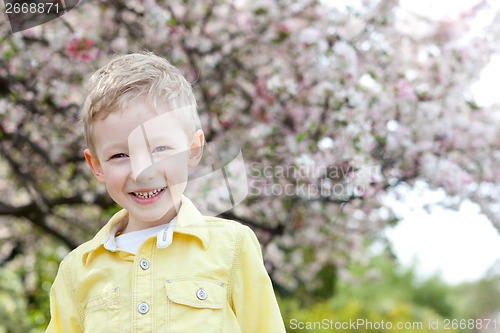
197, 292
106, 299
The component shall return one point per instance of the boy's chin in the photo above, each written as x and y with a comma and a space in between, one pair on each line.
163, 215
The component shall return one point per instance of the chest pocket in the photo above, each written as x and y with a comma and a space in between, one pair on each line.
195, 305
103, 313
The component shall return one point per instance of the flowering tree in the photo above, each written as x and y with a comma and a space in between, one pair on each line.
333, 107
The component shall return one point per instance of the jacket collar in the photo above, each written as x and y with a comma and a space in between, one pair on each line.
189, 221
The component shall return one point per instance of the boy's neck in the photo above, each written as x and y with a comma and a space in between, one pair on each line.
135, 225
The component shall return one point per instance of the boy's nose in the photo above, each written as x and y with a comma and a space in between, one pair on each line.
145, 175
140, 156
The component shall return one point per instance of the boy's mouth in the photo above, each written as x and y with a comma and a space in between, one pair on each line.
149, 194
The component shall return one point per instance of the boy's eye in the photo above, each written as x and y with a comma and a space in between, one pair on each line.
120, 155
160, 149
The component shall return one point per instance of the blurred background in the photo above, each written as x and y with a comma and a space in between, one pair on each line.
369, 130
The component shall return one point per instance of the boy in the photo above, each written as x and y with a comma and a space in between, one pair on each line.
158, 265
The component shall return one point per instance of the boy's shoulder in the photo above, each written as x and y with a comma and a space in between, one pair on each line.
78, 255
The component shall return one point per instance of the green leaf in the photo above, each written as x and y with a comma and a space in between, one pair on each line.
300, 137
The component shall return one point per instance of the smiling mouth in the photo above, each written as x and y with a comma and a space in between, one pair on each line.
149, 194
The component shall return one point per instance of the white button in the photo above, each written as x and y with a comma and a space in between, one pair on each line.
144, 264
201, 294
143, 308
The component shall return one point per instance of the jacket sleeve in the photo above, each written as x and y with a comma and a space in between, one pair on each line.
253, 298
65, 312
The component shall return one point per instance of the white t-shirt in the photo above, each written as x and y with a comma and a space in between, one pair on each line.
131, 241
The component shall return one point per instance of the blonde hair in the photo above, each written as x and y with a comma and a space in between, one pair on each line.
130, 76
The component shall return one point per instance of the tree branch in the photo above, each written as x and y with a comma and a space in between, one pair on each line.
278, 230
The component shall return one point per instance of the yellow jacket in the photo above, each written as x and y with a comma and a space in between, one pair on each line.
210, 279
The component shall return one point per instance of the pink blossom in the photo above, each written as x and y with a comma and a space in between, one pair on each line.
405, 91
81, 48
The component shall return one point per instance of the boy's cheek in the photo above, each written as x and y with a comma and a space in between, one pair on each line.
176, 191
116, 175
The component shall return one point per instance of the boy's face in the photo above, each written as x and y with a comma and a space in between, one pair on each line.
143, 157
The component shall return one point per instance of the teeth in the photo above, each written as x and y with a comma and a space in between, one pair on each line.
146, 195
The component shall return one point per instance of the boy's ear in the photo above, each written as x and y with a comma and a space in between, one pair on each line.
94, 165
196, 148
